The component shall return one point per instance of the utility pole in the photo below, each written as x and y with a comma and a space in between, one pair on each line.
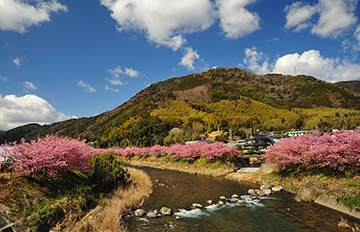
251, 138
230, 135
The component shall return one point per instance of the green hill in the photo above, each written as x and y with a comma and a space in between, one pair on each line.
218, 99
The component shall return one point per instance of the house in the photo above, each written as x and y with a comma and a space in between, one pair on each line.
297, 133
258, 142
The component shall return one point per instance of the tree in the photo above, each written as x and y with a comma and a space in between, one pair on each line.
49, 155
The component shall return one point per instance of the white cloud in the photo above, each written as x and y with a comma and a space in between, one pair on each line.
114, 81
17, 15
235, 20
131, 72
298, 15
189, 58
29, 86
86, 86
312, 63
111, 89
117, 74
163, 21
335, 17
3, 78
17, 61
252, 59
17, 111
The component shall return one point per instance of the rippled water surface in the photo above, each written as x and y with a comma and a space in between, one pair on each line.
278, 212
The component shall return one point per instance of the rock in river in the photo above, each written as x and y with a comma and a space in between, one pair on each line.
166, 211
139, 212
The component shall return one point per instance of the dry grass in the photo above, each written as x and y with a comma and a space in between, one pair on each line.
108, 217
201, 168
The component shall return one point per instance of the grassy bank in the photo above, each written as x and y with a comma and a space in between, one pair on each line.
200, 166
107, 216
72, 201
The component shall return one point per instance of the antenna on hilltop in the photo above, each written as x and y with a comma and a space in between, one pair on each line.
295, 71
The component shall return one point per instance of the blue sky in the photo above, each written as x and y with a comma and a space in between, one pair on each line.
63, 58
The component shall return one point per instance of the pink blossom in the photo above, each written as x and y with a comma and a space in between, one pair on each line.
49, 155
317, 151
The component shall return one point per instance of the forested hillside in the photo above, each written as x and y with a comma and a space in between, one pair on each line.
218, 99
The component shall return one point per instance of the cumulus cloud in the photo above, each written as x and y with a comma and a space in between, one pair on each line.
235, 20
335, 17
163, 21
18, 15
17, 111
86, 86
189, 58
29, 86
252, 60
310, 63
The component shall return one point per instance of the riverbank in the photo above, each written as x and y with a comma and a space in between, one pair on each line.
107, 216
200, 167
66, 204
333, 192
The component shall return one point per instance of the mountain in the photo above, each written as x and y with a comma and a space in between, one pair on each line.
353, 86
218, 99
17, 133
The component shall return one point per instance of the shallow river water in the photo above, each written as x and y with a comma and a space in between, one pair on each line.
277, 212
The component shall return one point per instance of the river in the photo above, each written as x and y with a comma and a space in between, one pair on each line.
277, 212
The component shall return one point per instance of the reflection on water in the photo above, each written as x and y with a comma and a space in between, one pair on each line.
278, 212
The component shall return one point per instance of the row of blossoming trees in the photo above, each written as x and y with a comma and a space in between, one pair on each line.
317, 151
51, 155
191, 152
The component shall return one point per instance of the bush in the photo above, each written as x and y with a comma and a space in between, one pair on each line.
107, 172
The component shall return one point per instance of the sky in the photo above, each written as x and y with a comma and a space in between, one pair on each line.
62, 59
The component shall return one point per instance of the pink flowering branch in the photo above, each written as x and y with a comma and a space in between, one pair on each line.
49, 155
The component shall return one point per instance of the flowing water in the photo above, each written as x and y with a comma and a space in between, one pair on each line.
277, 212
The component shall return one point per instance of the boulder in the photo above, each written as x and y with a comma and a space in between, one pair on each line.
233, 199
235, 196
251, 191
151, 214
267, 191
257, 191
210, 202
140, 212
197, 205
265, 186
261, 193
166, 211
223, 198
221, 203
277, 188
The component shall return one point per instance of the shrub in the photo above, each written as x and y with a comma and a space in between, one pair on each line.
107, 172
